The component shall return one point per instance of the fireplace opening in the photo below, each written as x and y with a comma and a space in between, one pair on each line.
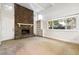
25, 31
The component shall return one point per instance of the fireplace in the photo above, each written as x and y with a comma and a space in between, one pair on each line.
23, 22
25, 31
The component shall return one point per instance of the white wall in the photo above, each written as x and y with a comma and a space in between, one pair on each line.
0, 24
58, 11
7, 17
35, 19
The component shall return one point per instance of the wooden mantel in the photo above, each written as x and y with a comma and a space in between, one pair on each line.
24, 24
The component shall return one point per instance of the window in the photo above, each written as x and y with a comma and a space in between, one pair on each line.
50, 24
67, 23
71, 23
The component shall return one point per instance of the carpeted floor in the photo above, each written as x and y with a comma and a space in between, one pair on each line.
38, 46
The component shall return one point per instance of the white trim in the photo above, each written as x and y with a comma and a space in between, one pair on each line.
65, 40
0, 42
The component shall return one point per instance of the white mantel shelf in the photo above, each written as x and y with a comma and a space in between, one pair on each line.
24, 24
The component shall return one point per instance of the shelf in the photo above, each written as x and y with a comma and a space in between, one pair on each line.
24, 24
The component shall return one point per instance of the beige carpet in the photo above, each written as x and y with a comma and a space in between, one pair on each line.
38, 46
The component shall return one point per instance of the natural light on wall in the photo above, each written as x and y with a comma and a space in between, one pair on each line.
8, 7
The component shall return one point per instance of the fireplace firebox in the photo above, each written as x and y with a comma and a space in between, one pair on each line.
25, 31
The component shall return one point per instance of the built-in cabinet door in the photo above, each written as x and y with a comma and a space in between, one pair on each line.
39, 30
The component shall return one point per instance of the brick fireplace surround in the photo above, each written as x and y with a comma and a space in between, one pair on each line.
24, 16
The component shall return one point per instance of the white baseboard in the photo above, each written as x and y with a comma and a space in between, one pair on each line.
65, 40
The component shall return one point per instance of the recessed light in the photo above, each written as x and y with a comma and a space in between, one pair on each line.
40, 17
